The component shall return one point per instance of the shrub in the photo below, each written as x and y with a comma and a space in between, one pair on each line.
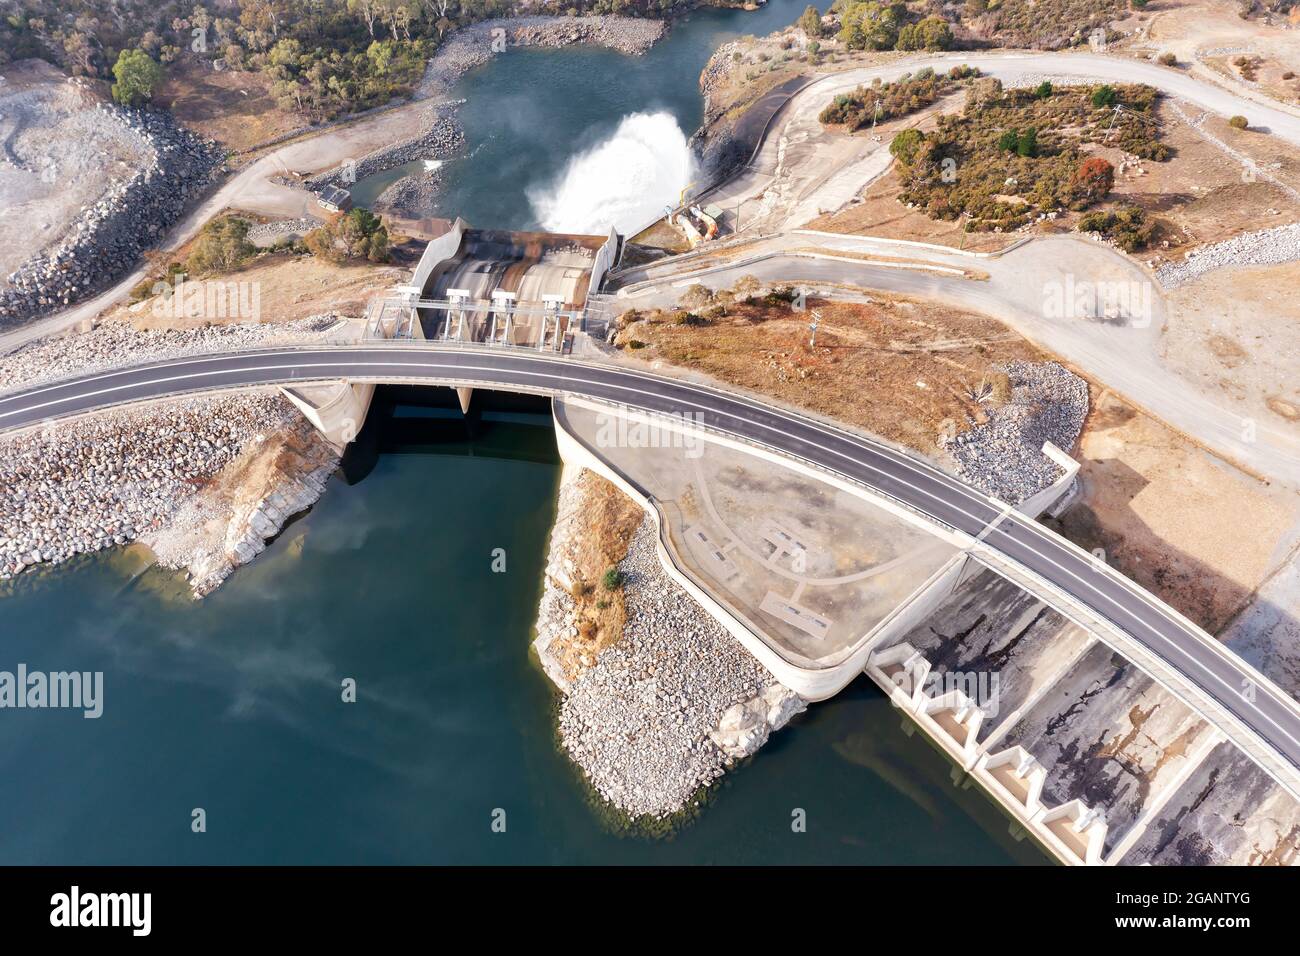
138, 75
1238, 122
1027, 142
905, 144
1094, 178
697, 295
612, 579
357, 234
1043, 90
811, 23
220, 247
1168, 59
1127, 226
1103, 96
1008, 141
886, 101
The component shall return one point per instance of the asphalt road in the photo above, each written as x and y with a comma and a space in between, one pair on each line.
1272, 715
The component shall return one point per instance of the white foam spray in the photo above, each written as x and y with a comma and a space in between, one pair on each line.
624, 182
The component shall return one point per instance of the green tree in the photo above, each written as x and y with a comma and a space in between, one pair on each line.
1043, 90
1103, 96
811, 23
932, 33
137, 75
1009, 140
358, 234
221, 246
1027, 142
905, 145
870, 25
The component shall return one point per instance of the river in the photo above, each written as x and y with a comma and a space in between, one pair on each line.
233, 705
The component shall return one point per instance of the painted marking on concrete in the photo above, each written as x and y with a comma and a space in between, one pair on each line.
784, 609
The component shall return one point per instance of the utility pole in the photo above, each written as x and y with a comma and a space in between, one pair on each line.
816, 317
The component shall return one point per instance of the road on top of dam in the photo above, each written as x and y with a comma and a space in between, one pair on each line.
1270, 714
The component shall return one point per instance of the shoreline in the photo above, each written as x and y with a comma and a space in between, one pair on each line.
661, 712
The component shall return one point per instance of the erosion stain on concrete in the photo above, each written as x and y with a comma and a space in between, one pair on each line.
1228, 811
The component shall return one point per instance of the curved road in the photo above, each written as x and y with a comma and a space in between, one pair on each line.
1268, 713
1122, 354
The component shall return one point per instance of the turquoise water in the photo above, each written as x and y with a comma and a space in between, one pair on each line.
233, 705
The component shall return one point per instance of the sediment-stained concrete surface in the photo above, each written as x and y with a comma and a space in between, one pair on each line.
990, 625
1110, 736
1228, 812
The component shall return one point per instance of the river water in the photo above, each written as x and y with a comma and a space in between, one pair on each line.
234, 705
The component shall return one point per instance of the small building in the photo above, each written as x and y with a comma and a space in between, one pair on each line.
335, 199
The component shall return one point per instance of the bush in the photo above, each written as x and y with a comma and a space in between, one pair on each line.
697, 295
1043, 90
887, 101
1094, 178
811, 23
1238, 122
137, 75
904, 145
1127, 226
221, 246
1168, 59
1027, 142
1103, 96
612, 579
357, 234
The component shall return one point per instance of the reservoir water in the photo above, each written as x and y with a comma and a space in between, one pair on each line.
233, 704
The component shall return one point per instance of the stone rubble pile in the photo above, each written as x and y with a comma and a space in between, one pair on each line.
268, 233
116, 344
131, 216
411, 197
93, 483
1003, 456
1263, 248
664, 710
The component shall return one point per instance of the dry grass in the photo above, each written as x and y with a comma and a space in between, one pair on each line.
1179, 521
290, 287
235, 108
903, 370
610, 518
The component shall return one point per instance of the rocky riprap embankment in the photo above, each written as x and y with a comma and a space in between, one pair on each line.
229, 522
1264, 248
411, 197
441, 139
131, 216
472, 45
666, 708
269, 233
93, 483
1004, 455
115, 344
